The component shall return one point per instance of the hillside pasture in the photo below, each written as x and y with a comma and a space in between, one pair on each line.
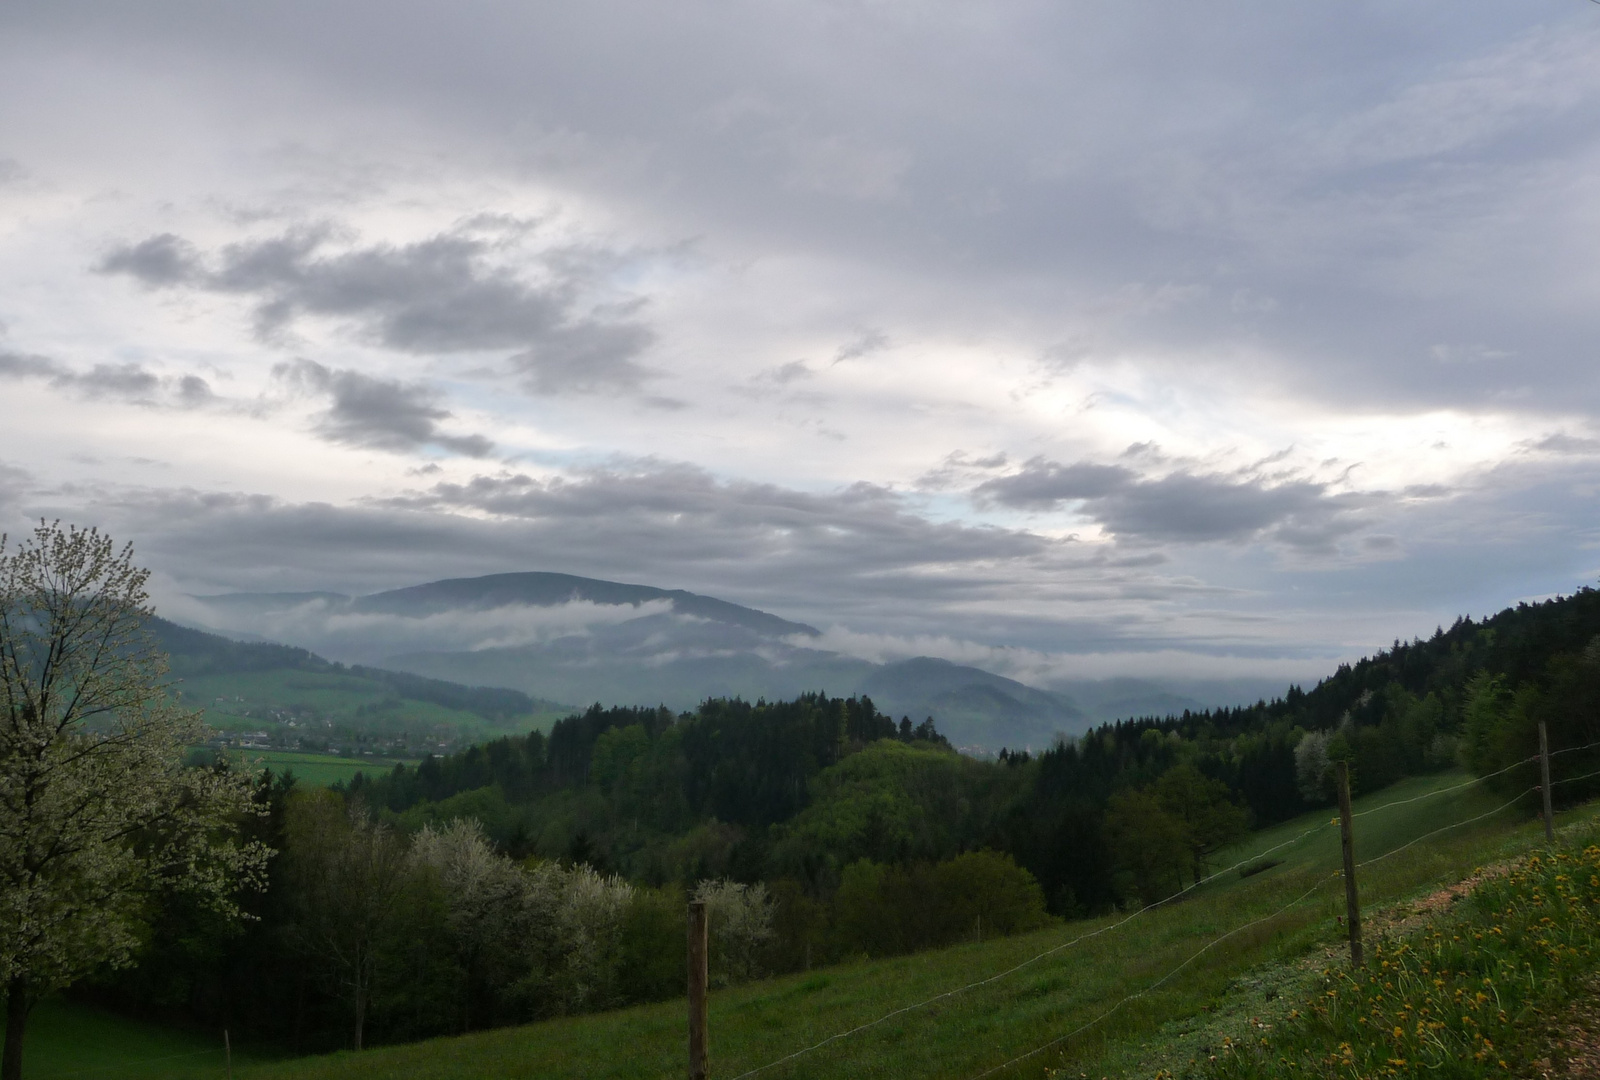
1175, 957
336, 708
68, 1039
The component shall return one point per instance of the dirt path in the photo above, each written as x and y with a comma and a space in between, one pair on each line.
1575, 1047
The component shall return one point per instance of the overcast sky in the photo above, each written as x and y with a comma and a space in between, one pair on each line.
1067, 338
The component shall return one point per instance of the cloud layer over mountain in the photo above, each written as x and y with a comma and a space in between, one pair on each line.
1246, 335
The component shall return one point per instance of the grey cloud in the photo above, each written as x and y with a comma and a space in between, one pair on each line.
783, 374
441, 295
1390, 178
864, 344
193, 391
1182, 506
859, 555
958, 469
21, 366
587, 356
14, 482
1562, 443
385, 414
683, 513
1042, 485
656, 523
128, 382
159, 261
863, 557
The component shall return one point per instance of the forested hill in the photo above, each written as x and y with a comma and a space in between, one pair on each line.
799, 789
1516, 645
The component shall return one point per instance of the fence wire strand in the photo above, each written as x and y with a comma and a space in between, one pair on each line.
1239, 929
1157, 984
1256, 857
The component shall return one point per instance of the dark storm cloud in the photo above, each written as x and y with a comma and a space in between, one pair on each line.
385, 414
1181, 507
441, 295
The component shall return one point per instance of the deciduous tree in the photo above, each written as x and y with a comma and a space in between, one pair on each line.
97, 809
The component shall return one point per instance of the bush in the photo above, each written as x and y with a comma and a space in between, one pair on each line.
883, 911
654, 960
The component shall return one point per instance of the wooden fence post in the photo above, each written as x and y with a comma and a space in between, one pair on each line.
699, 977
1544, 785
1352, 903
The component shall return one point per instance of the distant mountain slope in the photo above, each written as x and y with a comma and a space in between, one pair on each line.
973, 707
301, 700
546, 590
561, 637
596, 667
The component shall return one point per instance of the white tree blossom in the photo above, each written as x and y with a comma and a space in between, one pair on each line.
97, 809
741, 923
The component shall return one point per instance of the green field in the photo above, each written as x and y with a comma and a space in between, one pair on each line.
342, 709
245, 700
967, 1033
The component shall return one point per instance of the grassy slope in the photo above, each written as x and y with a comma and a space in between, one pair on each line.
336, 695
340, 698
66, 1039
964, 1035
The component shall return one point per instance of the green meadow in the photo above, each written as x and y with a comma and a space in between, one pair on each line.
342, 711
247, 700
1229, 948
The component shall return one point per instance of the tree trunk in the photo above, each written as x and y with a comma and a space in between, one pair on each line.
17, 1008
361, 1014
300, 1010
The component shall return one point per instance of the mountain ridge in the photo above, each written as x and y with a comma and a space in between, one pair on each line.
523, 631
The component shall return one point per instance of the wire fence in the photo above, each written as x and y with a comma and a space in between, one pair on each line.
1052, 951
1334, 876
1254, 858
